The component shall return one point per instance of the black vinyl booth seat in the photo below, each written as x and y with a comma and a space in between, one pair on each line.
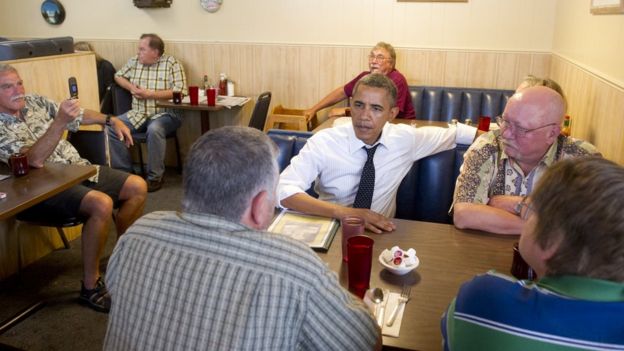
445, 104
426, 192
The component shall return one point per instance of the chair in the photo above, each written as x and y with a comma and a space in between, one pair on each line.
289, 118
259, 114
92, 145
122, 103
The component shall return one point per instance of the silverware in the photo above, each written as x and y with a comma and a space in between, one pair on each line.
378, 297
405, 294
382, 308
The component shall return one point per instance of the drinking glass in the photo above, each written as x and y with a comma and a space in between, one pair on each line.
350, 225
360, 250
519, 268
177, 97
211, 94
194, 94
484, 123
19, 164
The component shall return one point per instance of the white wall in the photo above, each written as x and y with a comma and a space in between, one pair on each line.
477, 24
595, 42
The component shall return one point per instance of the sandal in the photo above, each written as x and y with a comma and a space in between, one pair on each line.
97, 298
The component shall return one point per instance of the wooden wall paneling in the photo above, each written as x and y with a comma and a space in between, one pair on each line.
413, 65
481, 69
456, 69
507, 71
436, 68
540, 64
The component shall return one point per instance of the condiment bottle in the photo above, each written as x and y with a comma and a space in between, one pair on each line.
567, 121
222, 84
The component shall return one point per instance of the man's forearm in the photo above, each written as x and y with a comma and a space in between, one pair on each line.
44, 146
486, 218
305, 203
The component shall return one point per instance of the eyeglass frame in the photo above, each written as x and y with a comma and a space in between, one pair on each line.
515, 129
378, 58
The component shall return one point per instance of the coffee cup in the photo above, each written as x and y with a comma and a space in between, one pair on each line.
19, 164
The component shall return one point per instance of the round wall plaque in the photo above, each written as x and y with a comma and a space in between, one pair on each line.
53, 12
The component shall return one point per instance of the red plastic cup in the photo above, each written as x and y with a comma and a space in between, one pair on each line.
19, 164
484, 123
177, 97
360, 250
519, 268
351, 226
211, 93
194, 94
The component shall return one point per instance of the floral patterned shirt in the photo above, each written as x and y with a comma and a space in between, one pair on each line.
167, 73
38, 114
488, 171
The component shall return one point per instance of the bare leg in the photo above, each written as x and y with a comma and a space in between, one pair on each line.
132, 197
98, 207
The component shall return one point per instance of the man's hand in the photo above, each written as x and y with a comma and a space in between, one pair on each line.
68, 111
309, 114
505, 202
141, 93
375, 222
122, 131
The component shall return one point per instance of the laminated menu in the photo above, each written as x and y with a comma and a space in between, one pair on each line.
317, 232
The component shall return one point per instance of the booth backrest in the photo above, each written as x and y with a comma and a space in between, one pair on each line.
426, 192
445, 104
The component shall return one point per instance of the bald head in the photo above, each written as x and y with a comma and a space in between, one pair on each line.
538, 105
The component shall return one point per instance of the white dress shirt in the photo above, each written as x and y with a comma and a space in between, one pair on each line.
334, 158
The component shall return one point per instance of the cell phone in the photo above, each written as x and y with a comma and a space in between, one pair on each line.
73, 88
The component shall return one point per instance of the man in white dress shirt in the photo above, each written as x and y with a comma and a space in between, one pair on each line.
335, 157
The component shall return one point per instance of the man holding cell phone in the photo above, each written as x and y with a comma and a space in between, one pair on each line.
34, 125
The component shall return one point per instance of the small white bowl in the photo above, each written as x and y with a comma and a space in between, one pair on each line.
398, 270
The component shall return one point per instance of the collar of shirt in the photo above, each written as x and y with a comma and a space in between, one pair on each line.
584, 288
214, 222
356, 144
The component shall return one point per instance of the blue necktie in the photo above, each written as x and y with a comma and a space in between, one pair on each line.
364, 196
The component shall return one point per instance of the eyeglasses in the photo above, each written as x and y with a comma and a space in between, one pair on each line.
526, 212
517, 130
378, 58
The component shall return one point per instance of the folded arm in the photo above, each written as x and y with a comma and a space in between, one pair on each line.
489, 218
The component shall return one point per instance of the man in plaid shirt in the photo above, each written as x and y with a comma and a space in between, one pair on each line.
149, 76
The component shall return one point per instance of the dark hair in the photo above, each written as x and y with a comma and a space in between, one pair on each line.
580, 204
155, 42
225, 168
378, 80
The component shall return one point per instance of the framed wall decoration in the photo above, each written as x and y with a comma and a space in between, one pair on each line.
432, 0
606, 7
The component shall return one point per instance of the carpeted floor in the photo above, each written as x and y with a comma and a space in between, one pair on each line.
64, 324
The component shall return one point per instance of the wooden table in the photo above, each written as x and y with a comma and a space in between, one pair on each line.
203, 109
419, 123
38, 185
448, 257
26, 191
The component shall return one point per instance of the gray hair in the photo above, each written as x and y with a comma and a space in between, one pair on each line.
532, 81
378, 80
389, 48
85, 46
5, 67
225, 168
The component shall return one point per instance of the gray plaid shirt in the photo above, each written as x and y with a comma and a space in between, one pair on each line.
182, 281
38, 115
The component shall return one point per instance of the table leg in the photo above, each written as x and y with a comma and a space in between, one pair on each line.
20, 316
205, 121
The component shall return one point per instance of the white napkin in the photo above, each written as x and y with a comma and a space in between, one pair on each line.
393, 299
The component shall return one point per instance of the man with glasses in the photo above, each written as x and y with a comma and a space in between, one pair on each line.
501, 167
381, 59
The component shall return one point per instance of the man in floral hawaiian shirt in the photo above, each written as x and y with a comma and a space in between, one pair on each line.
501, 167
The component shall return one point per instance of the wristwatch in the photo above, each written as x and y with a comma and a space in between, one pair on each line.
518, 207
108, 121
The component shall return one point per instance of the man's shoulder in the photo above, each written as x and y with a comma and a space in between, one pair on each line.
572, 147
397, 77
